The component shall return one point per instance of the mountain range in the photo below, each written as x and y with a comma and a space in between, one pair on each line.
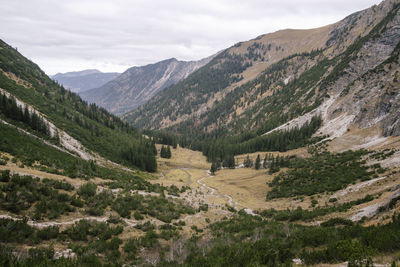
137, 85
81, 81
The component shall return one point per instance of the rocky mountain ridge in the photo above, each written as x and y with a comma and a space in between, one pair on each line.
139, 84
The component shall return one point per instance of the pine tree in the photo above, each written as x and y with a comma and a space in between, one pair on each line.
162, 152
213, 168
272, 166
258, 162
168, 153
275, 163
27, 116
154, 148
229, 161
265, 161
248, 163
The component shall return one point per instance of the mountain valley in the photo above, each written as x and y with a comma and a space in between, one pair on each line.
283, 150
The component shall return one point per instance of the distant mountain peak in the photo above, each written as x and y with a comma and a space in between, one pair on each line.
80, 81
140, 83
77, 73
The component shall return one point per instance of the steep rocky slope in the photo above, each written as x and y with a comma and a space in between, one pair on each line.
81, 81
139, 84
347, 72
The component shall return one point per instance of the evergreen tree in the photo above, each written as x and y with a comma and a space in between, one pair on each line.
168, 153
154, 149
275, 162
213, 168
265, 161
229, 161
26, 115
248, 163
258, 162
163, 152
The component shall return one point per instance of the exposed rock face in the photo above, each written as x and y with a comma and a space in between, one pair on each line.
370, 89
81, 81
138, 84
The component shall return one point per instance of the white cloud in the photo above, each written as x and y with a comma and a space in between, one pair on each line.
113, 35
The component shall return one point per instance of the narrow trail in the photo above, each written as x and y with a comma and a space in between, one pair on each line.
206, 190
213, 192
41, 225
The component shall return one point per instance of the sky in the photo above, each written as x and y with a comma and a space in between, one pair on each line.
113, 35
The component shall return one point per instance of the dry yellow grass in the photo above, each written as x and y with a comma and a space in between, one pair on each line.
182, 157
178, 175
246, 186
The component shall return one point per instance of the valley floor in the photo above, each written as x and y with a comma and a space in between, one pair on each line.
245, 188
231, 190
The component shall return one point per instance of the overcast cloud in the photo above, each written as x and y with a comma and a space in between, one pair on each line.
112, 35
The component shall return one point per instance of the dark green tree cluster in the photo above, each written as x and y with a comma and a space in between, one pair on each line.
320, 173
142, 155
162, 137
273, 163
9, 107
157, 207
276, 141
165, 152
22, 192
268, 243
300, 214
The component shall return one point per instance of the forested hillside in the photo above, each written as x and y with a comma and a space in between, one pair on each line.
94, 127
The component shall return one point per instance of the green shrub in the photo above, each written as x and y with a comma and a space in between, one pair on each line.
87, 190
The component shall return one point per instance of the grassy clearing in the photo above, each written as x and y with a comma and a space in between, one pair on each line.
178, 175
185, 158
